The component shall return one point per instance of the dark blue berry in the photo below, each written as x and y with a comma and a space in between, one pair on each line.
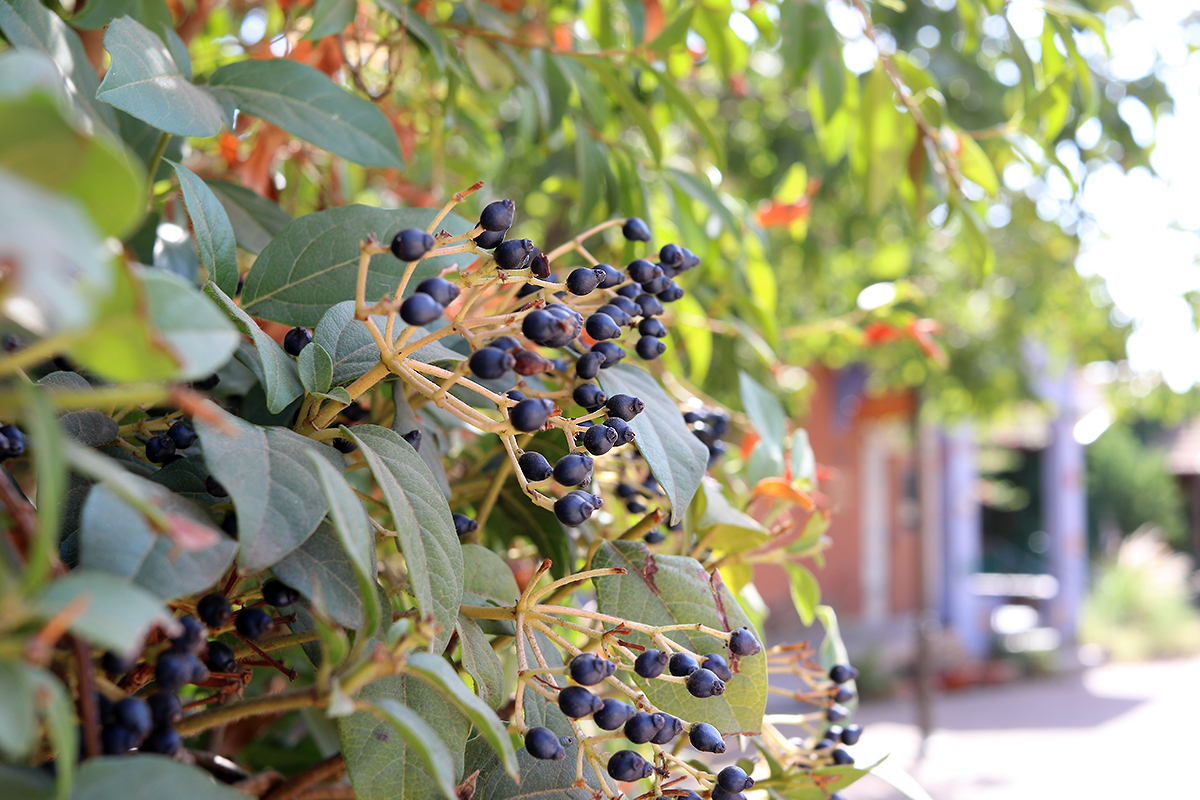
613, 714
490, 239
743, 643
193, 637
530, 415
624, 406
215, 489
589, 669
573, 510
618, 315
490, 363
542, 743
343, 445
116, 740
506, 343
690, 260
199, 672
717, 665
612, 276
825, 744
641, 270
439, 289
577, 702
599, 439
539, 265
834, 732
497, 216
115, 664
625, 434
464, 525
682, 665
706, 738
173, 670
734, 779
574, 469
540, 326
837, 713
355, 412
705, 683
534, 466
642, 726
650, 305
613, 353
636, 230
630, 290
588, 365
718, 793
672, 293
634, 506
220, 657
841, 673
583, 281
626, 765
672, 727
183, 434
843, 695
420, 309
651, 663
279, 594
207, 383
601, 326
133, 714
842, 758
625, 304
513, 253
671, 255
654, 537
652, 327
163, 740
296, 340
649, 348
165, 708
411, 243
851, 734
590, 396
160, 448
413, 438
252, 622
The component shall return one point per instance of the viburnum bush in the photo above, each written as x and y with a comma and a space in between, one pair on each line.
333, 471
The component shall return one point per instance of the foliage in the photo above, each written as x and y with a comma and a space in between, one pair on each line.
240, 170
1129, 483
1140, 604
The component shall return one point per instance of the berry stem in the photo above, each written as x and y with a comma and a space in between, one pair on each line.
267, 704
577, 242
290, 673
454, 200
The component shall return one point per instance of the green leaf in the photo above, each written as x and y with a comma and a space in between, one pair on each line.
676, 457
56, 708
330, 17
885, 139
804, 463
489, 582
51, 465
276, 370
422, 739
698, 187
765, 411
54, 255
178, 49
147, 777
29, 24
191, 327
255, 219
442, 677
321, 570
18, 721
353, 527
620, 93
116, 538
421, 518
675, 32
832, 650
383, 766
211, 228
589, 173
99, 13
670, 590
723, 527
187, 478
806, 592
316, 368
540, 780
313, 262
145, 82
116, 615
481, 662
353, 350
38, 143
305, 102
273, 486
975, 164
684, 103
404, 420
515, 516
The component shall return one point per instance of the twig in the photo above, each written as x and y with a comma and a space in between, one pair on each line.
321, 771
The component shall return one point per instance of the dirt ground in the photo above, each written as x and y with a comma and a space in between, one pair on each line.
1104, 733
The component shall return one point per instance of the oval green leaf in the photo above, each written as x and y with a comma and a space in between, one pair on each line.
210, 226
276, 370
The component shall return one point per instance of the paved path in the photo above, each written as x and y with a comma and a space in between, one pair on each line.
1107, 733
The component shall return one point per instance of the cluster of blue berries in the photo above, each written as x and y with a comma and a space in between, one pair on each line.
704, 677
709, 427
828, 745
147, 724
